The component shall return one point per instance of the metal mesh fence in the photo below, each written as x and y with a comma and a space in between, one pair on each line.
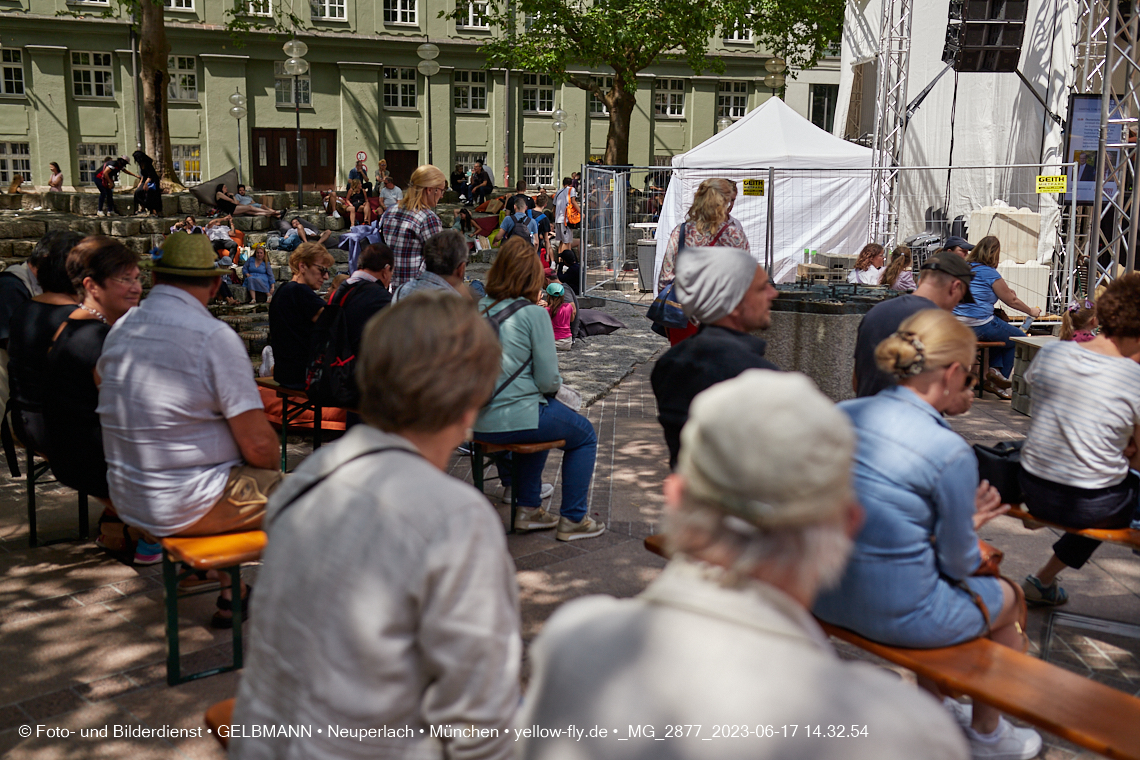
821, 218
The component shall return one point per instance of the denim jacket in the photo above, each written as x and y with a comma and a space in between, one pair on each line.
916, 479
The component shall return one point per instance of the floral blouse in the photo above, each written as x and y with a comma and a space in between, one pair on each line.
731, 236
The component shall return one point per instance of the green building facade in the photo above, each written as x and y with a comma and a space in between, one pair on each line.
68, 94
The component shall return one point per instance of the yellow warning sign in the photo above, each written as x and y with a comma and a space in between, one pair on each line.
754, 187
1052, 184
611, 184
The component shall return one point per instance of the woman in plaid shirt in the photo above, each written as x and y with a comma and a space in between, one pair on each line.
407, 225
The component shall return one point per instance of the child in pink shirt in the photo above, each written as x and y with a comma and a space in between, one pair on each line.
561, 315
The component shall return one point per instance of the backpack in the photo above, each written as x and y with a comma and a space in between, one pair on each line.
331, 377
519, 229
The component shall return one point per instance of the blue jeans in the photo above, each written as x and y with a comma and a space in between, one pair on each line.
995, 330
479, 194
555, 420
107, 200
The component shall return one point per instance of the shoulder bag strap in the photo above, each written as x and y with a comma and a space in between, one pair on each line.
718, 234
324, 477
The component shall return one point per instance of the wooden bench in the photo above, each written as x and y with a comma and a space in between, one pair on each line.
479, 448
1090, 714
983, 364
224, 553
301, 403
1124, 536
218, 715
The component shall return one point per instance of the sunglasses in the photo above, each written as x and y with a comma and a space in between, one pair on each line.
323, 270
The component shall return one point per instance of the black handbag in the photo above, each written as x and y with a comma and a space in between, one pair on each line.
1001, 466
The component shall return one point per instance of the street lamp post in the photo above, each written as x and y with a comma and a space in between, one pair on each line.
775, 66
429, 67
238, 111
559, 126
296, 66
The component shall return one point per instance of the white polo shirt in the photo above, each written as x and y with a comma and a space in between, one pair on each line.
172, 375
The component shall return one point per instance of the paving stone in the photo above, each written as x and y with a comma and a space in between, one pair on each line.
20, 229
124, 227
170, 205
187, 204
12, 716
140, 244
5, 248
105, 688
49, 705
85, 204
23, 248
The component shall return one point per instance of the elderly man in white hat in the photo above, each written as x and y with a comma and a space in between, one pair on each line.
189, 449
731, 296
721, 646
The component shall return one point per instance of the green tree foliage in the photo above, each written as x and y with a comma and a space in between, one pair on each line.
627, 36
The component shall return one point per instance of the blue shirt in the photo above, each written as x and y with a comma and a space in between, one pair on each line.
915, 478
982, 288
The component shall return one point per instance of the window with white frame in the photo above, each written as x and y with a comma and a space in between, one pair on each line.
732, 100
179, 5
400, 12
467, 160
470, 90
399, 88
187, 163
336, 10
15, 158
283, 86
669, 99
538, 169
475, 16
739, 34
11, 71
91, 75
91, 157
537, 93
597, 105
183, 78
259, 7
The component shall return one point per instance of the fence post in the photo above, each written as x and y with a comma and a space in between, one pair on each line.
584, 235
769, 233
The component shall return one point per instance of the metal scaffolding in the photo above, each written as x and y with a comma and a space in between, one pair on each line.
890, 117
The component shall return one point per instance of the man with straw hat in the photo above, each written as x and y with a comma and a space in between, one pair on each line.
719, 657
189, 449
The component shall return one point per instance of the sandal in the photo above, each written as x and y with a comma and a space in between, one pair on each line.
196, 581
226, 605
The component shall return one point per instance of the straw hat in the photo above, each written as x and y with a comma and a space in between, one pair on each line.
187, 255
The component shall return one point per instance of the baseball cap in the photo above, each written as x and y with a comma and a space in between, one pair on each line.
958, 242
555, 289
769, 448
955, 266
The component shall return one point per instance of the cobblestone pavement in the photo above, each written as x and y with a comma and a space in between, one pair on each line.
81, 635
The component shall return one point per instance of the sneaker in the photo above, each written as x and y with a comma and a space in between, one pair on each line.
503, 493
1039, 595
100, 213
534, 518
147, 554
963, 714
572, 531
1007, 742
998, 378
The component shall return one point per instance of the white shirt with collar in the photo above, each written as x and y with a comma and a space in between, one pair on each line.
390, 197
172, 375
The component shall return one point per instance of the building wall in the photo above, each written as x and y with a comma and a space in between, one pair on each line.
348, 58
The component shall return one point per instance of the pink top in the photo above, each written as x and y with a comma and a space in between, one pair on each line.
1079, 336
561, 320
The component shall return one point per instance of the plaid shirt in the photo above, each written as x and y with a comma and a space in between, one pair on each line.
405, 233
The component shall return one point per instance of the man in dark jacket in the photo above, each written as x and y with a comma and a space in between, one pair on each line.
731, 295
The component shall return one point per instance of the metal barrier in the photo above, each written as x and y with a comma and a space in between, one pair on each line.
804, 212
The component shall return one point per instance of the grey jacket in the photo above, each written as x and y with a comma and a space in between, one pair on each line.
689, 653
387, 599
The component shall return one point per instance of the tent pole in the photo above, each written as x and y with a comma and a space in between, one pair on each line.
769, 233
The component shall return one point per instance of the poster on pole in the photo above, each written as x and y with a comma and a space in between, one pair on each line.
1083, 137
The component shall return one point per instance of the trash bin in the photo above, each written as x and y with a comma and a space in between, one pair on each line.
646, 258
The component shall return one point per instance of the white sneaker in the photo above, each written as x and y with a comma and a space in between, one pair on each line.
503, 493
1008, 742
100, 213
962, 713
535, 518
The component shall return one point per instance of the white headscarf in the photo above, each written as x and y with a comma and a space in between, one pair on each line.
710, 282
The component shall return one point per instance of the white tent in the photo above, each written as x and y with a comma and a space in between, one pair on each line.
824, 205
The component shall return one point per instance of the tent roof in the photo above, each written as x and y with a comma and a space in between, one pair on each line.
774, 135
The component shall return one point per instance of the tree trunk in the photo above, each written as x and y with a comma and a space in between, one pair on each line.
620, 103
153, 52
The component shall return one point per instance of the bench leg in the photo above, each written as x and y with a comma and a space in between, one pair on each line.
284, 433
9, 445
316, 427
30, 484
477, 465
514, 492
84, 518
170, 594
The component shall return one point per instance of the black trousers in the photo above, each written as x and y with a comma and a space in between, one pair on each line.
1073, 507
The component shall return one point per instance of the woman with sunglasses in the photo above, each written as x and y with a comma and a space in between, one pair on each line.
910, 579
293, 311
408, 224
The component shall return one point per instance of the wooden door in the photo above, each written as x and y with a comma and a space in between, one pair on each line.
401, 164
275, 159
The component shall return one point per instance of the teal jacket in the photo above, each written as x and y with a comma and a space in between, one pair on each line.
526, 333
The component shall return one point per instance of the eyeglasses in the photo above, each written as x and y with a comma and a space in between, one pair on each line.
128, 281
971, 381
323, 270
